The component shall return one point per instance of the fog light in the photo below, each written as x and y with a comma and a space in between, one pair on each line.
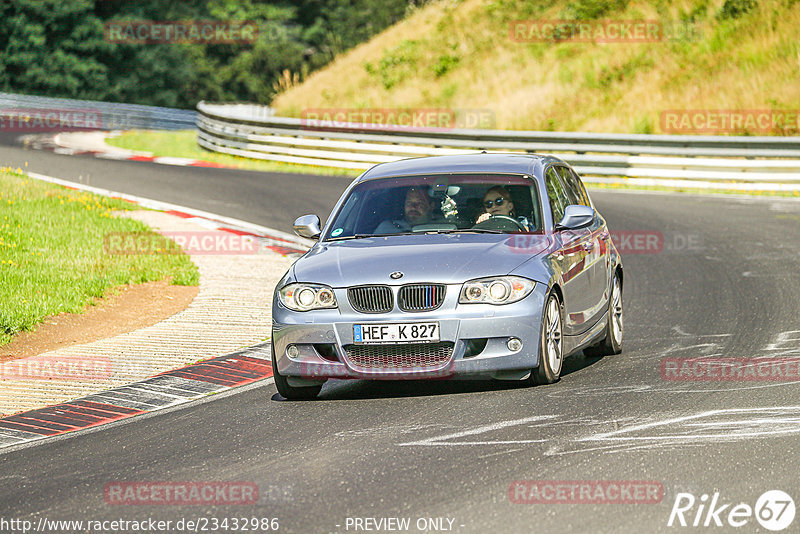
292, 351
514, 344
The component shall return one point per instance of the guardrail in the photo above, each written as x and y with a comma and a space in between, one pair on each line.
105, 115
255, 132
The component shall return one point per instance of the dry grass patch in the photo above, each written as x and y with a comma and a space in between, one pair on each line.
459, 54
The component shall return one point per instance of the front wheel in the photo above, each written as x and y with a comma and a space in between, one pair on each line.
614, 333
551, 344
291, 392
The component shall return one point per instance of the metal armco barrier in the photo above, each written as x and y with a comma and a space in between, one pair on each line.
106, 115
255, 132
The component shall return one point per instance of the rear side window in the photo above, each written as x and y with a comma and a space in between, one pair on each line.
574, 188
556, 193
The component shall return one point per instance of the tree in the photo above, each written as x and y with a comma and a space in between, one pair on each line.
58, 47
50, 47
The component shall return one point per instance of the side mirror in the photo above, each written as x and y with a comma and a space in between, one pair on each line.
307, 226
575, 217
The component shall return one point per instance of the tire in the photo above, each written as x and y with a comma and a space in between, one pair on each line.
614, 332
551, 343
291, 392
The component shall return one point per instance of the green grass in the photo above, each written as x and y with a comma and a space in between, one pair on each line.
52, 256
183, 144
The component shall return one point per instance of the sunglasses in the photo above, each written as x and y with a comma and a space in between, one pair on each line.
496, 202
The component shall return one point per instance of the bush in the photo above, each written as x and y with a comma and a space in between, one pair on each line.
592, 9
733, 9
445, 64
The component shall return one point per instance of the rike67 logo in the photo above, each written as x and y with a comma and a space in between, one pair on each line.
774, 510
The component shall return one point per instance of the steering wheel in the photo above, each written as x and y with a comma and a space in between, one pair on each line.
501, 222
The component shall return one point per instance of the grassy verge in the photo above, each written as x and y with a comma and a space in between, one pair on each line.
183, 144
52, 256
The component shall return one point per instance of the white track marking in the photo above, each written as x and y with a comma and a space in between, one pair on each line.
783, 338
769, 425
440, 440
712, 426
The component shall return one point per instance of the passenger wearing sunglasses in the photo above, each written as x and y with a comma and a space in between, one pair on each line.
497, 201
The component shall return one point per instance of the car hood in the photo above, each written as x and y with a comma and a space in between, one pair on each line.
444, 258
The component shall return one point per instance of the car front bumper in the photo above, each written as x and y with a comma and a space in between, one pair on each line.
324, 347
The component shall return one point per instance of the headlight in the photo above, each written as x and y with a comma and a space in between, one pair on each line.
496, 290
305, 297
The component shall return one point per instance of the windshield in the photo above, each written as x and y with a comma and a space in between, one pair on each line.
484, 203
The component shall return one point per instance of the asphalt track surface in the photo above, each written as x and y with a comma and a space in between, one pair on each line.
268, 199
452, 449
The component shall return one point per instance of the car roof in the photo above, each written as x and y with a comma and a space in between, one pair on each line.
466, 163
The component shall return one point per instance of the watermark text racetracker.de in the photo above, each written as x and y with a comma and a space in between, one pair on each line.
585, 492
181, 31
407, 119
730, 121
44, 367
34, 120
716, 369
625, 241
399, 371
180, 493
170, 242
601, 31
655, 241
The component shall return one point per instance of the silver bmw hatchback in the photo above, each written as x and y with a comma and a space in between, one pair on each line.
485, 265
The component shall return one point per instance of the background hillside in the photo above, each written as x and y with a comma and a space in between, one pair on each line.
59, 48
720, 54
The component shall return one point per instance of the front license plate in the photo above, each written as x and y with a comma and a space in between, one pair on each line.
396, 333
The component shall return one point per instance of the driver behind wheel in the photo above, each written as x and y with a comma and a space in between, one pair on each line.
497, 201
418, 209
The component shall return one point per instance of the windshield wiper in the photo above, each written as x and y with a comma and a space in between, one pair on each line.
467, 230
346, 237
362, 236
456, 231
